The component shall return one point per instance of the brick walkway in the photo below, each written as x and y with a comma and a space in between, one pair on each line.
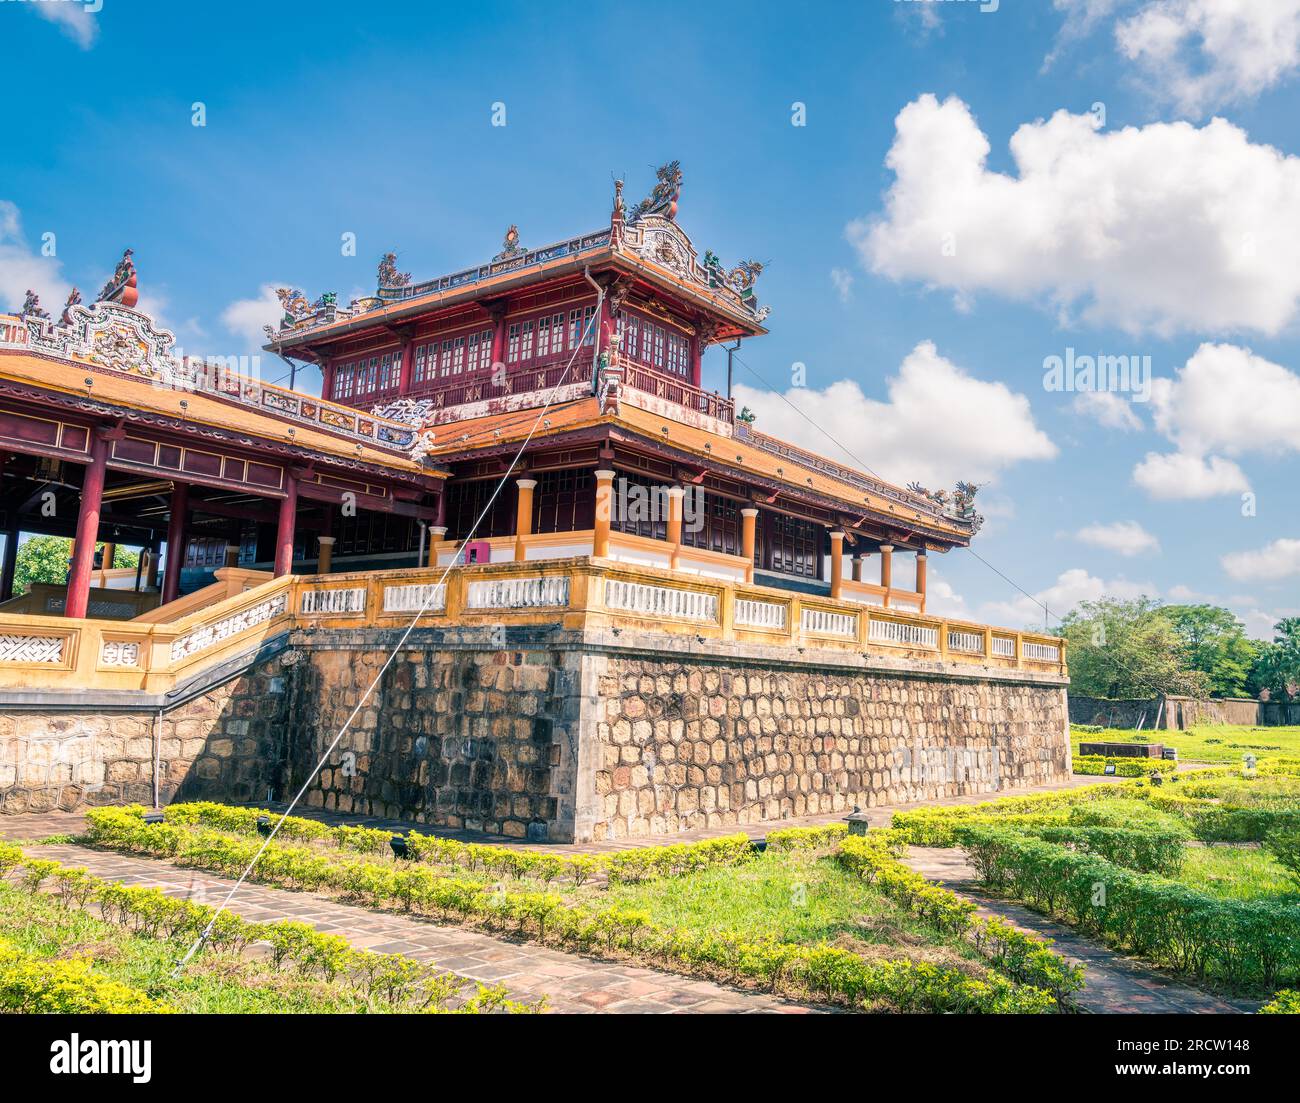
573, 983
1116, 983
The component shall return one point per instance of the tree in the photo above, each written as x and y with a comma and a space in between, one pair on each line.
1216, 644
45, 559
1277, 667
1126, 649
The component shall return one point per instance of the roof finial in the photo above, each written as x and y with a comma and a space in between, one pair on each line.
122, 287
662, 199
74, 299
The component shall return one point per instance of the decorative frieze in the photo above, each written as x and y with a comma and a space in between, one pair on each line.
32, 649
119, 653
209, 635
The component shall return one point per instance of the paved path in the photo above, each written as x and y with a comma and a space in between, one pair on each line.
1116, 983
573, 983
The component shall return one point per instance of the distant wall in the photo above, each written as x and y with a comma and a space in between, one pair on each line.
1179, 713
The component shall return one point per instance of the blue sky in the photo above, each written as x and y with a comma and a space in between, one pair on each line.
921, 284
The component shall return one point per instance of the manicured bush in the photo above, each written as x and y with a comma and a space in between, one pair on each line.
1285, 847
32, 985
1021, 956
806, 838
820, 971
1245, 943
1145, 851
1124, 767
1286, 1002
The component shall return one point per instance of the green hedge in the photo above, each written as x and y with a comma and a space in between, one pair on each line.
1245, 943
1286, 1002
1021, 956
824, 972
634, 864
1124, 767
32, 985
1145, 851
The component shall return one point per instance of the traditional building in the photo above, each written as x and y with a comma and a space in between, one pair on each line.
700, 624
607, 330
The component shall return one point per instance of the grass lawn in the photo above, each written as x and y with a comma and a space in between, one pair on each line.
794, 897
1238, 873
212, 983
1226, 743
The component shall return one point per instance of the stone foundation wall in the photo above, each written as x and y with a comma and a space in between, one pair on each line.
679, 747
224, 743
484, 740
539, 733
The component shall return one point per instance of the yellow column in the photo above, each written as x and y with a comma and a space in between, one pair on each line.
106, 563
837, 563
920, 576
748, 522
523, 516
604, 512
675, 496
326, 558
858, 561
436, 533
886, 569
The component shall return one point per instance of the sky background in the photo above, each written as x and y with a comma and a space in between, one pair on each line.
970, 193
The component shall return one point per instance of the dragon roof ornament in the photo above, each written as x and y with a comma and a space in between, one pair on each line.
663, 197
122, 286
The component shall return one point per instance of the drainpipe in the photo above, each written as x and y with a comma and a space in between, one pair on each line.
157, 756
600, 302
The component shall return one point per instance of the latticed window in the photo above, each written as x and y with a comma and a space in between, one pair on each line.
581, 330
390, 371
711, 522
466, 500
564, 501
422, 372
657, 355
794, 546
458, 355
679, 351
512, 343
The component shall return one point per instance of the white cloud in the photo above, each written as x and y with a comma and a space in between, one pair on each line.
1199, 54
941, 600
986, 427
1176, 475
1108, 409
1126, 538
1070, 588
1225, 398
246, 317
21, 269
842, 278
1225, 401
1165, 227
1271, 563
1260, 623
75, 19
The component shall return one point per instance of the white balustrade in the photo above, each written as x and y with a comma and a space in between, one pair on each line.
826, 623
334, 602
1004, 647
1042, 652
761, 614
429, 596
661, 601
960, 640
902, 634
518, 593
32, 649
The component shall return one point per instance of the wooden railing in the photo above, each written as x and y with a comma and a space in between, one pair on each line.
53, 652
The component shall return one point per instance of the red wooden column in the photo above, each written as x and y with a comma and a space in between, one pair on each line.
498, 336
284, 527
171, 587
83, 549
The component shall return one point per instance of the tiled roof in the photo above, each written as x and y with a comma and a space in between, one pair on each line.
205, 409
